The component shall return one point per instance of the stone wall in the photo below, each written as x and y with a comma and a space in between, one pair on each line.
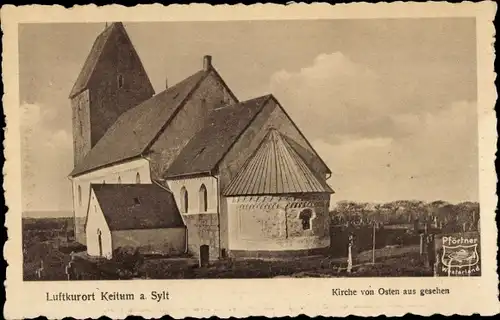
203, 229
269, 223
80, 235
80, 105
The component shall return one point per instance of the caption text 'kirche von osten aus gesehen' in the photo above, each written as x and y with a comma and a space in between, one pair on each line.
388, 292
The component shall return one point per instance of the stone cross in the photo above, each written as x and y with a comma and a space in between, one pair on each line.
422, 244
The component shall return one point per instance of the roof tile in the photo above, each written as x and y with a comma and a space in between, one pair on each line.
136, 128
276, 168
210, 144
137, 206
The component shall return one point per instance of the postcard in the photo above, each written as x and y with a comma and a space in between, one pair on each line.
258, 160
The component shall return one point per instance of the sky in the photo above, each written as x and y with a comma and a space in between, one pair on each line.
390, 105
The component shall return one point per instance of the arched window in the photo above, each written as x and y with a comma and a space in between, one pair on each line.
202, 194
103, 181
306, 215
119, 180
137, 178
80, 195
184, 200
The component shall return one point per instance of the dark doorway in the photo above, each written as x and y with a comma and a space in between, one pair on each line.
204, 255
99, 239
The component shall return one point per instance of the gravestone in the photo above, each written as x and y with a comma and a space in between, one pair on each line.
204, 255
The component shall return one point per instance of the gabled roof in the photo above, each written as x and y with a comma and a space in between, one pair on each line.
303, 151
137, 128
275, 168
93, 57
223, 127
137, 206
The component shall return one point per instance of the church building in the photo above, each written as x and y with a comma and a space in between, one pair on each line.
189, 167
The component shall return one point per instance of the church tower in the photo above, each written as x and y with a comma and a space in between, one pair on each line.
112, 81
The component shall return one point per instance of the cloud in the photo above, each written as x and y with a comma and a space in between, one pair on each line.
438, 160
333, 96
46, 153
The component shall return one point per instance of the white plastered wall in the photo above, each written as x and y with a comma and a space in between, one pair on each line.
192, 186
96, 223
126, 172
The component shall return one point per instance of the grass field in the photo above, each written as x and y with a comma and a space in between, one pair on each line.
48, 243
403, 261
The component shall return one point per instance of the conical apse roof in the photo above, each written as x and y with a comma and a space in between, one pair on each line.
275, 168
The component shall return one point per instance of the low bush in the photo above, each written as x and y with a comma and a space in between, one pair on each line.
128, 260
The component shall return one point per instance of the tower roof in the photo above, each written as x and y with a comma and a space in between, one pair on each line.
275, 168
92, 59
98, 51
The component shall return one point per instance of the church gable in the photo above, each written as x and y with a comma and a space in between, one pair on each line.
212, 142
211, 94
271, 116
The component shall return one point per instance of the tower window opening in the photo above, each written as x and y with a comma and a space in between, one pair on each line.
120, 81
137, 178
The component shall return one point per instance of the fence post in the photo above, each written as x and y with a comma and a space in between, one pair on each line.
373, 249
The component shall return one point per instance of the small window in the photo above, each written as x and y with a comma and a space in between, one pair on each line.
306, 215
120, 81
119, 180
137, 178
203, 198
80, 195
184, 200
137, 201
103, 181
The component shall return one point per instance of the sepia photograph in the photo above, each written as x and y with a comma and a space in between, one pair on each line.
236, 150
198, 161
